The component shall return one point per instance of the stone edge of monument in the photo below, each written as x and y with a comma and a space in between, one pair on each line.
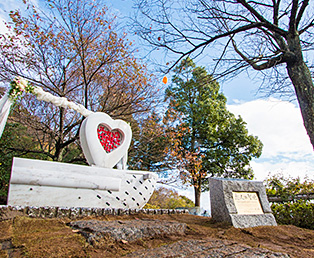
9, 212
223, 207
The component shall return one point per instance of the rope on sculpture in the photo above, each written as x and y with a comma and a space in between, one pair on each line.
19, 86
60, 101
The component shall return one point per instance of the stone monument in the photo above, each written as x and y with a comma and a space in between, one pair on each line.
242, 203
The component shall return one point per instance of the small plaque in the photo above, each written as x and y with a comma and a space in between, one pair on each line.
247, 203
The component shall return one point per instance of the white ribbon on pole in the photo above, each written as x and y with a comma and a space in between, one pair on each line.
5, 105
6, 102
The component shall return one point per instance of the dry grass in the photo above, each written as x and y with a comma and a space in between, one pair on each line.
47, 238
53, 238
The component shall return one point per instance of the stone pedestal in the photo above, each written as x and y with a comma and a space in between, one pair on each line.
242, 203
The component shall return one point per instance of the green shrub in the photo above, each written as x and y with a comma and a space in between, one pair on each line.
300, 213
16, 141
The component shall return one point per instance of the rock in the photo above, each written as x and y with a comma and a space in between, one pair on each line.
128, 230
7, 212
207, 248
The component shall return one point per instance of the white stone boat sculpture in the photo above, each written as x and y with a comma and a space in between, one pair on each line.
105, 144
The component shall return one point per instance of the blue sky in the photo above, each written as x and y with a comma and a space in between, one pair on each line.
277, 123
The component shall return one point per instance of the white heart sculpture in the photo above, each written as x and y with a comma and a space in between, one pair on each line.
105, 141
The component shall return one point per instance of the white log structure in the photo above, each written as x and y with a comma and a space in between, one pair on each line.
45, 183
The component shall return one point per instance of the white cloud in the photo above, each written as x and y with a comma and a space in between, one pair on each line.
291, 168
3, 28
11, 5
279, 125
3, 19
5, 9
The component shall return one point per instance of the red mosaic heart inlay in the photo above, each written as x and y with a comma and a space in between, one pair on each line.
109, 140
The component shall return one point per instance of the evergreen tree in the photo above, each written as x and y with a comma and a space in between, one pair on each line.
208, 140
150, 140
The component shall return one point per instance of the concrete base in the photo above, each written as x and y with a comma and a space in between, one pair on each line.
248, 221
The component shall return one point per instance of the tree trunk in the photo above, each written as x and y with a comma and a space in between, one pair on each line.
300, 76
197, 195
59, 156
59, 147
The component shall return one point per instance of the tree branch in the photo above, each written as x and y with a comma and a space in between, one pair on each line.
301, 11
268, 64
31, 151
266, 23
276, 12
205, 43
293, 13
307, 27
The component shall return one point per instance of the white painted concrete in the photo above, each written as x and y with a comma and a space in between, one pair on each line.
45, 183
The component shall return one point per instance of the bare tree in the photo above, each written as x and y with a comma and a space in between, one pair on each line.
72, 50
274, 37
